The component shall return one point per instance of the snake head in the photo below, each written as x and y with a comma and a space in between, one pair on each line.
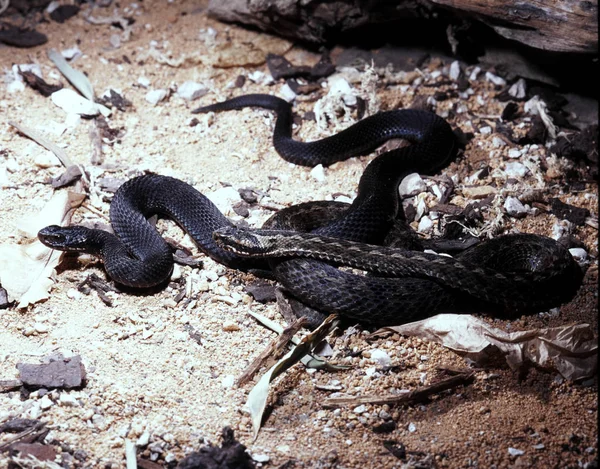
66, 238
245, 242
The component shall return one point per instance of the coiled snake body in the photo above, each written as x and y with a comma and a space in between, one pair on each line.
509, 275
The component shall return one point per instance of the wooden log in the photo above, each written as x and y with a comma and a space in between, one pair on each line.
552, 25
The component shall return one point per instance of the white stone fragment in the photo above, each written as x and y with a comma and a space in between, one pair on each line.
360, 409
33, 68
72, 102
579, 254
474, 73
454, 70
380, 357
515, 169
46, 403
230, 326
227, 381
495, 79
516, 452
412, 427
338, 85
318, 173
68, 400
412, 185
224, 199
156, 96
40, 328
487, 130
190, 90
71, 53
514, 207
497, 142
257, 76
287, 93
514, 153
261, 458
518, 89
46, 159
425, 225
143, 82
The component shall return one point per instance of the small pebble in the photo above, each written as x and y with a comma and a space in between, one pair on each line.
579, 254
230, 326
360, 409
380, 357
287, 93
487, 130
478, 192
412, 185
261, 458
318, 173
144, 82
190, 90
515, 452
514, 207
495, 79
156, 96
454, 70
425, 225
518, 90
515, 169
412, 427
514, 153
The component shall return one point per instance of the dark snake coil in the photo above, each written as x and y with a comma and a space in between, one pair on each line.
507, 276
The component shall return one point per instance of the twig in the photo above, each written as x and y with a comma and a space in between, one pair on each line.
47, 144
418, 395
273, 349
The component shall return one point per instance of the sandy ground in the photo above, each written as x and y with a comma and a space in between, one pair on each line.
148, 378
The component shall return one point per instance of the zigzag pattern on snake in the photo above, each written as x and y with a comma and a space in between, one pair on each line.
492, 277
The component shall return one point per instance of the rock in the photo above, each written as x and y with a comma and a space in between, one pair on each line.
71, 53
380, 357
518, 90
454, 72
478, 192
425, 225
71, 102
514, 207
412, 185
287, 93
59, 373
515, 452
514, 153
361, 409
515, 170
191, 90
156, 96
579, 254
144, 82
495, 79
228, 381
224, 199
230, 326
318, 173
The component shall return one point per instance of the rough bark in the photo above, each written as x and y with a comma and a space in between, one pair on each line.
553, 25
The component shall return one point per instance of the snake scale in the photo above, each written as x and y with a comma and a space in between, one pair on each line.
303, 246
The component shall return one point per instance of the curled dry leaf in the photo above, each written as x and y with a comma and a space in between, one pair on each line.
570, 350
257, 398
26, 269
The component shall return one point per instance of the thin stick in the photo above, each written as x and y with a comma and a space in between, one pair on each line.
417, 395
47, 144
273, 349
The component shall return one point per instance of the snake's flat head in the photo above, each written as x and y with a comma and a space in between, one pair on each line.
65, 238
241, 241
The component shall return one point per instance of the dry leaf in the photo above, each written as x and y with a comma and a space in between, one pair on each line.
26, 269
570, 350
257, 398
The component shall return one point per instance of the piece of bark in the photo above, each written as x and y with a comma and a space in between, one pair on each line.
566, 26
273, 351
418, 395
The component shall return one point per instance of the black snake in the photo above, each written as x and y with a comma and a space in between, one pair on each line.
510, 275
